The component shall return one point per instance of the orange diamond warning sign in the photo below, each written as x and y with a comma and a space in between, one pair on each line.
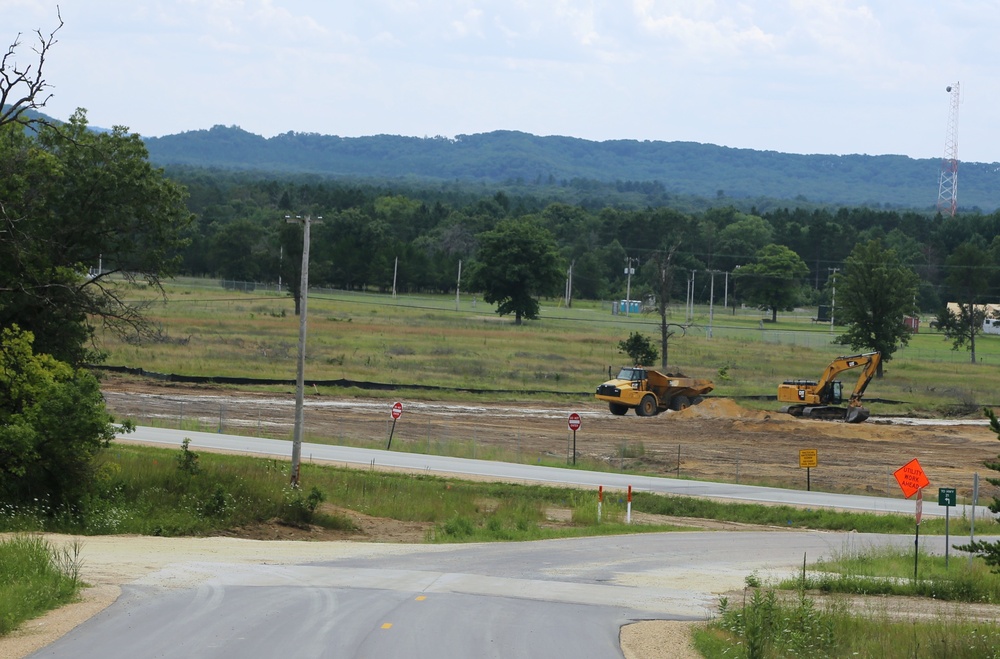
911, 478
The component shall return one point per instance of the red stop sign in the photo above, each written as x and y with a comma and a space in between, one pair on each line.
397, 410
574, 421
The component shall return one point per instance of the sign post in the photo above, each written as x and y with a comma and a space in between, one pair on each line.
972, 519
574, 425
628, 511
397, 411
808, 458
600, 500
912, 480
946, 498
916, 539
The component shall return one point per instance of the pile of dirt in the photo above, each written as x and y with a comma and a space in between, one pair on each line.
722, 408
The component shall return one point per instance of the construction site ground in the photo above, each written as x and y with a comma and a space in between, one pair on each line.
716, 440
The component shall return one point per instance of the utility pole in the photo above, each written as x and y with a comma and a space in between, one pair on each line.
458, 285
687, 302
833, 297
569, 285
629, 270
301, 375
691, 319
395, 270
711, 303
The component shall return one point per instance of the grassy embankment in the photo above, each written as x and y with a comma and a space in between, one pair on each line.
34, 578
424, 340
765, 624
155, 491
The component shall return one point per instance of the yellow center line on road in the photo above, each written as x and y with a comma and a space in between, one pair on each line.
386, 625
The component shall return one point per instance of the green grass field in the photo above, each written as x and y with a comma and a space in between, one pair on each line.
205, 330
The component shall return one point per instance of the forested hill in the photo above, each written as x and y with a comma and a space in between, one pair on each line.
508, 157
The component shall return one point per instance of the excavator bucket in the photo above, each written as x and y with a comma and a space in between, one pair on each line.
856, 414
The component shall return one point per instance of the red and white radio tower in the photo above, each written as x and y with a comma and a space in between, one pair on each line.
948, 181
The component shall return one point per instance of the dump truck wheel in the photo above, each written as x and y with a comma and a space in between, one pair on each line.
618, 409
697, 400
678, 403
647, 406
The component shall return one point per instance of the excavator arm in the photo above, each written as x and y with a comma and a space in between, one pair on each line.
870, 360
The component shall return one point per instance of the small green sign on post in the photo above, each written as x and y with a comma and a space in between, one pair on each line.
946, 498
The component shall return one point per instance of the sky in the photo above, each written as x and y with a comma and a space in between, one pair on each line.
796, 76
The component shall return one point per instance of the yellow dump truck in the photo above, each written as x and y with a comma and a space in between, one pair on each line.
650, 392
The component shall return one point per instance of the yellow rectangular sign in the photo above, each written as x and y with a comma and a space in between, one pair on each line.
808, 457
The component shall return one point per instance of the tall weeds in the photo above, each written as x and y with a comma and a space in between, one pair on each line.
35, 576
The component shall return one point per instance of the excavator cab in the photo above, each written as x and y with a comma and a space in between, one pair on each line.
834, 393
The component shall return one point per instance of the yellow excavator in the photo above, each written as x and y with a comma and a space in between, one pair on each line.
818, 399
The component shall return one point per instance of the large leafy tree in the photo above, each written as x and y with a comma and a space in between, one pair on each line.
52, 422
515, 262
877, 290
774, 280
83, 215
971, 270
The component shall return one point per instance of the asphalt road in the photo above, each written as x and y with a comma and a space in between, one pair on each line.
552, 598
537, 473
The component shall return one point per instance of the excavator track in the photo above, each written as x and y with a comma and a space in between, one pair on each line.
828, 413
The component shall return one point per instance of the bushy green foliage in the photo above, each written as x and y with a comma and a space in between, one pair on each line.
187, 460
639, 349
52, 424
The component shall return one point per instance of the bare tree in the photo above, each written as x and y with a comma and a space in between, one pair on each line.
23, 87
664, 282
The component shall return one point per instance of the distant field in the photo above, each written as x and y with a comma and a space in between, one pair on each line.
206, 330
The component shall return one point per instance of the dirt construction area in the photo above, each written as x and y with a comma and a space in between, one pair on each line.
716, 440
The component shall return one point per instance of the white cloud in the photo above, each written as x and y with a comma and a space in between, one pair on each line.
793, 75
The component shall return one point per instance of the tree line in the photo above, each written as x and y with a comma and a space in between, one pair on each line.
239, 233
